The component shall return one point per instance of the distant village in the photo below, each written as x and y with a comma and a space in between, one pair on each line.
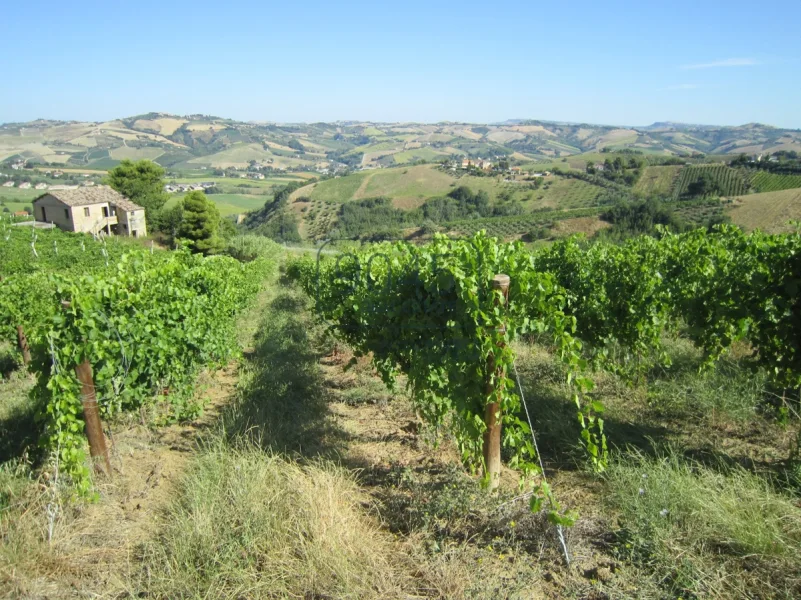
23, 177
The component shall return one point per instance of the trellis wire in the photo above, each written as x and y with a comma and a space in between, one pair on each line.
559, 530
53, 507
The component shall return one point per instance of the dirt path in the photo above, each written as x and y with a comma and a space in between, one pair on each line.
359, 193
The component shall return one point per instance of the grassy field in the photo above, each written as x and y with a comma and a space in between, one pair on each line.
657, 181
770, 211
15, 206
18, 195
228, 204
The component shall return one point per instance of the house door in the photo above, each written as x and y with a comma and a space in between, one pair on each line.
105, 211
44, 214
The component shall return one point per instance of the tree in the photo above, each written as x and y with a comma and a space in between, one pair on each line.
201, 224
143, 183
705, 185
282, 227
169, 221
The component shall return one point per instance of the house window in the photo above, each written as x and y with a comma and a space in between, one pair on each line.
67, 213
86, 212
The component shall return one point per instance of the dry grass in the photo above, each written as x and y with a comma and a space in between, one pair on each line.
770, 211
246, 524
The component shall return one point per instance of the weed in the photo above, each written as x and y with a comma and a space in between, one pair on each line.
705, 532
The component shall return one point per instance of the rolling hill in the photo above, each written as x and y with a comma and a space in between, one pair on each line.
196, 141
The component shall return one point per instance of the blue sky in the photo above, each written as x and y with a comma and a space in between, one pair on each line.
611, 62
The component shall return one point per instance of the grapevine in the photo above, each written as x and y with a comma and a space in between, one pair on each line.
146, 323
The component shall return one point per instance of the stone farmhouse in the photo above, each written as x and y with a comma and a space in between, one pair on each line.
91, 210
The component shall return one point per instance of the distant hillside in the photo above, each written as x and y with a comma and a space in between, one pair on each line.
201, 141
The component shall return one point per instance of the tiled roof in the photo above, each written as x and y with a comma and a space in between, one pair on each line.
85, 196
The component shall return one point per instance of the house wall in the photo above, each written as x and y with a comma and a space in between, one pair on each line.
132, 221
77, 219
94, 221
50, 209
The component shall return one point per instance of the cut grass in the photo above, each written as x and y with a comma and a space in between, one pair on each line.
718, 533
245, 524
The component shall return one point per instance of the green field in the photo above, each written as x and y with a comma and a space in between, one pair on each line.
228, 204
762, 181
14, 206
657, 181
730, 181
18, 195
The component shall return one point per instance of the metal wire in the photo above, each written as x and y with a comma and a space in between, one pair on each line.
560, 534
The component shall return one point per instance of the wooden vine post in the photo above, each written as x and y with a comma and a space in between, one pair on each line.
492, 412
22, 342
91, 416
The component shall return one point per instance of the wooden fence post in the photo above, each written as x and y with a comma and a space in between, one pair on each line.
492, 413
22, 341
91, 416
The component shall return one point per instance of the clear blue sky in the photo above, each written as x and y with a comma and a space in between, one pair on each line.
612, 62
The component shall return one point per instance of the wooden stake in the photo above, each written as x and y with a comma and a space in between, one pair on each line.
91, 416
22, 341
492, 412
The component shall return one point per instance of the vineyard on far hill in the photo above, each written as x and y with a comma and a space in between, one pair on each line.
762, 181
728, 181
505, 227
